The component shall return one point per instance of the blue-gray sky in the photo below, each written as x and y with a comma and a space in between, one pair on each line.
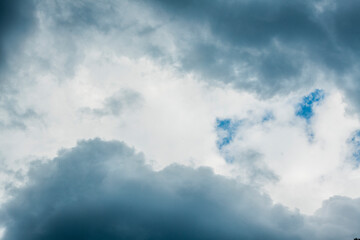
166, 119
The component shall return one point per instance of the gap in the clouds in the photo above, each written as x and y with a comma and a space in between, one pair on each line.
305, 108
268, 117
226, 130
355, 142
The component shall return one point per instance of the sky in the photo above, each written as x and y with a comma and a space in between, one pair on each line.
169, 119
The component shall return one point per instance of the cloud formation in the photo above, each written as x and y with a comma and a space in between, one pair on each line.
227, 84
105, 190
268, 46
17, 18
115, 104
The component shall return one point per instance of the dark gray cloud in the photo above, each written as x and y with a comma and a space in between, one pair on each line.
104, 190
338, 216
267, 46
272, 47
17, 18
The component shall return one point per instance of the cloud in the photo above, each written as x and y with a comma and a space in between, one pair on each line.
246, 162
115, 104
73, 31
17, 18
17, 22
263, 40
268, 47
341, 215
13, 116
104, 190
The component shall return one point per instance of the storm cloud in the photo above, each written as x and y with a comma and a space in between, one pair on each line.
267, 47
105, 190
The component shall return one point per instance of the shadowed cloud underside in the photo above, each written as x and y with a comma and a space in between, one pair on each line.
104, 190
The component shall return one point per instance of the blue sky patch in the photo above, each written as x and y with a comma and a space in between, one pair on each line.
267, 117
355, 141
305, 108
226, 130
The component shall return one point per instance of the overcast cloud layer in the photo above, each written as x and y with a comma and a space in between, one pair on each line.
246, 113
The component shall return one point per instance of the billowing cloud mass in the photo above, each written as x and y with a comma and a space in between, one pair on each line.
247, 112
269, 46
105, 190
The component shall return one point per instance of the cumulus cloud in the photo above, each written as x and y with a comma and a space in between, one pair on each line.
338, 216
105, 190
